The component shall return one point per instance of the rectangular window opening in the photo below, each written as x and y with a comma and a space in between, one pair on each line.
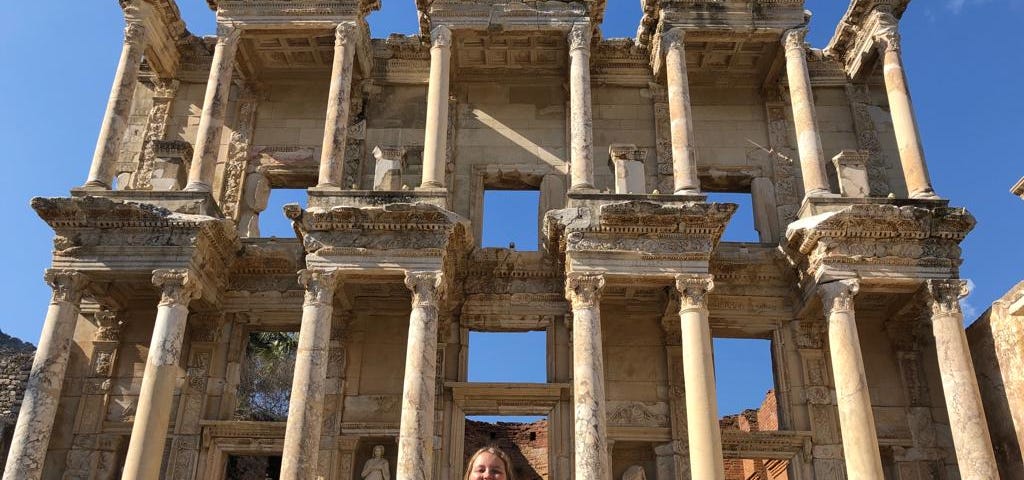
500, 357
265, 383
745, 383
742, 227
523, 438
253, 467
271, 222
750, 468
511, 219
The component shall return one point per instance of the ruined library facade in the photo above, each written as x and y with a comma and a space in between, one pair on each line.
182, 344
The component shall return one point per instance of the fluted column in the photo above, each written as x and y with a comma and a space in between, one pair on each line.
42, 392
332, 155
218, 87
306, 404
153, 412
805, 118
702, 428
581, 141
115, 119
435, 141
416, 433
684, 159
904, 122
974, 453
583, 290
857, 424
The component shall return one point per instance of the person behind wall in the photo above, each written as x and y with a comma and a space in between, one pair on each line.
377, 468
489, 463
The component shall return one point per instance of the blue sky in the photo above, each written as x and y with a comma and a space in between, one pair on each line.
962, 57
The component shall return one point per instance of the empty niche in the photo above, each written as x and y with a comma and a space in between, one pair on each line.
265, 382
523, 438
508, 357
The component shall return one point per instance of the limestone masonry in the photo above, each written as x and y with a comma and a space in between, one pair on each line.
170, 311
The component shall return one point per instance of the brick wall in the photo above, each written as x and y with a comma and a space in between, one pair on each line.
525, 443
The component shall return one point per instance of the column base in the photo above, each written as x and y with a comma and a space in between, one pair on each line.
927, 194
687, 191
95, 185
431, 187
198, 187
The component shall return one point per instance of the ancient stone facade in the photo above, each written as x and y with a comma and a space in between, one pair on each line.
159, 283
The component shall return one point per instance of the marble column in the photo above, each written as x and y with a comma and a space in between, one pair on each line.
416, 433
684, 159
904, 123
218, 87
583, 290
703, 432
435, 141
43, 389
856, 421
805, 118
156, 395
971, 438
332, 156
306, 407
581, 141
115, 120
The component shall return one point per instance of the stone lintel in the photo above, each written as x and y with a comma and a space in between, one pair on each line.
164, 27
854, 41
178, 202
327, 197
510, 15
1018, 188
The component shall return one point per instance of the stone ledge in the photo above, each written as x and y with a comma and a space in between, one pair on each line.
192, 203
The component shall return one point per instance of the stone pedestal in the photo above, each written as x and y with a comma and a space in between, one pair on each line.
152, 414
974, 453
170, 164
416, 433
860, 440
387, 174
332, 156
627, 161
591, 420
115, 120
435, 141
852, 170
218, 87
306, 404
42, 392
581, 141
812, 161
904, 123
684, 160
703, 432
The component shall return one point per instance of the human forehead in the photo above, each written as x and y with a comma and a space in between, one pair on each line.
488, 459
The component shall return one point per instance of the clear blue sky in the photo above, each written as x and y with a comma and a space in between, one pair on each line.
962, 56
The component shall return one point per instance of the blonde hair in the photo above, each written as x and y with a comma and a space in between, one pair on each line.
497, 452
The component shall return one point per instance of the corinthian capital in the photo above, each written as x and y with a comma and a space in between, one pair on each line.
583, 290
227, 33
68, 285
944, 296
345, 33
134, 32
177, 286
693, 291
441, 36
838, 296
887, 34
579, 37
319, 285
673, 38
794, 40
425, 287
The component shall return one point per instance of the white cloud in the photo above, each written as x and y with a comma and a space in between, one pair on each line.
957, 6
970, 311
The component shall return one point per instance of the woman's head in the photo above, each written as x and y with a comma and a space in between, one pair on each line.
489, 463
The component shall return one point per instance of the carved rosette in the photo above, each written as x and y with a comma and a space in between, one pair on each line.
320, 286
425, 288
837, 297
68, 285
693, 291
944, 296
583, 290
580, 36
794, 41
673, 39
177, 286
441, 37
345, 34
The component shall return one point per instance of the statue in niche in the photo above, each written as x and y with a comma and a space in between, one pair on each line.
636, 472
377, 467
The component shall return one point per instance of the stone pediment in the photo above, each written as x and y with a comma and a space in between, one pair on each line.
903, 240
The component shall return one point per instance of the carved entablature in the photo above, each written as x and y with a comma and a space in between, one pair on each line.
500, 271
262, 11
606, 230
119, 238
266, 265
506, 14
854, 42
740, 15
163, 28
867, 239
620, 61
767, 445
401, 59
